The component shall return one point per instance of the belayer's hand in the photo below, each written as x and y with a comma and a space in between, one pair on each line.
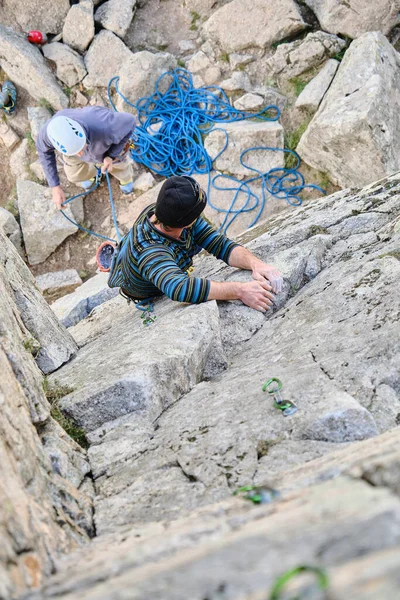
58, 196
107, 165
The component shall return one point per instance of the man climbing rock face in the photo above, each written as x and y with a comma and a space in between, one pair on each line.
155, 256
86, 138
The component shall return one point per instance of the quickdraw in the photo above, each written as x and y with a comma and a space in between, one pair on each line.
273, 386
280, 583
257, 495
147, 307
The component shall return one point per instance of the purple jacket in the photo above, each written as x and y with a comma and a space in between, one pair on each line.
106, 131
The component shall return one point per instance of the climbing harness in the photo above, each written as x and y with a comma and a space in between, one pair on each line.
169, 141
273, 386
257, 495
280, 583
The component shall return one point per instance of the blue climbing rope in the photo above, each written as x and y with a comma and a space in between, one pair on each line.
169, 141
113, 211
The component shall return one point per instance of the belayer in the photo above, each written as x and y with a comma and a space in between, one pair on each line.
86, 138
154, 257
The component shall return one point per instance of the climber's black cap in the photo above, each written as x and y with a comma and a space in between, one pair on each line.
180, 201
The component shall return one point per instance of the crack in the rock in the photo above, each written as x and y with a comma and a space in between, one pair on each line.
324, 371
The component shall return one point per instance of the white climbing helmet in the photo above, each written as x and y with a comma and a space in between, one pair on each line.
66, 135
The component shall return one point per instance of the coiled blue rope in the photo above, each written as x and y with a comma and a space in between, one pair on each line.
169, 141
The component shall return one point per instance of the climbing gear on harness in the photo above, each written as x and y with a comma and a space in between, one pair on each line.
169, 141
257, 495
104, 255
66, 135
273, 386
147, 307
280, 583
36, 37
8, 97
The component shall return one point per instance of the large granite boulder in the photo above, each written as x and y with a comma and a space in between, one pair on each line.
242, 24
139, 74
58, 283
354, 136
45, 337
312, 95
116, 15
355, 17
241, 136
37, 115
78, 30
46, 15
43, 226
9, 226
70, 68
25, 66
294, 58
100, 71
72, 308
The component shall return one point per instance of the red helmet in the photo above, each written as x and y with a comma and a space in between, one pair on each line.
36, 37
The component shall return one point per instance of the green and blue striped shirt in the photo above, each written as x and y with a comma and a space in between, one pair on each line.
150, 263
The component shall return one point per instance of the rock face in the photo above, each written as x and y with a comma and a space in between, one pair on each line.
217, 436
157, 478
78, 30
356, 17
45, 15
25, 66
42, 513
312, 95
116, 15
358, 116
242, 24
100, 72
74, 307
139, 73
45, 337
43, 226
241, 136
137, 382
291, 60
12, 230
177, 421
70, 66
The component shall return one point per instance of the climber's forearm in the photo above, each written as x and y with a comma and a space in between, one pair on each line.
241, 258
225, 290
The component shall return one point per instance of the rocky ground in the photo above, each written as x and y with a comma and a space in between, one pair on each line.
167, 421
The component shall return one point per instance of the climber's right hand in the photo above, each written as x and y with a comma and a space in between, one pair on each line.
58, 196
257, 295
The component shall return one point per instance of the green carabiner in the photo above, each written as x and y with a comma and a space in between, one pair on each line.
280, 583
271, 381
257, 495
